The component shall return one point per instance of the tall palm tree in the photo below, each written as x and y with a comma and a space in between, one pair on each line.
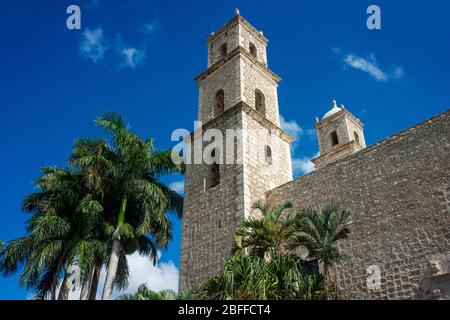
265, 234
135, 202
60, 234
319, 233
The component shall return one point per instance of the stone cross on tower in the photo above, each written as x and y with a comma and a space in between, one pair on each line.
237, 93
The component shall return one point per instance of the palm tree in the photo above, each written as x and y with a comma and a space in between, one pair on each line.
266, 234
319, 233
135, 203
60, 234
251, 277
144, 293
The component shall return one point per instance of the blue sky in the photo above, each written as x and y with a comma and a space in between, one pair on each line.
139, 58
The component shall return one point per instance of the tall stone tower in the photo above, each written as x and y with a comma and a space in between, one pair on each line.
238, 97
339, 133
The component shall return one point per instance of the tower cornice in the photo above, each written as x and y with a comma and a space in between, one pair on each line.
242, 106
337, 115
238, 19
238, 51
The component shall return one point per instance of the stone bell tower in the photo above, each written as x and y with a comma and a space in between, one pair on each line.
237, 98
339, 133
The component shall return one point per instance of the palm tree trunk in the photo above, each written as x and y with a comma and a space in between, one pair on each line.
64, 290
325, 279
94, 282
112, 268
115, 252
56, 276
86, 286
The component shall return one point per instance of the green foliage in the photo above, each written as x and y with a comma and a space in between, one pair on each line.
251, 277
319, 232
260, 267
264, 234
63, 230
144, 293
109, 190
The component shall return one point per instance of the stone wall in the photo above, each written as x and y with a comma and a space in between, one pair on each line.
398, 193
256, 77
247, 36
210, 215
355, 126
227, 77
230, 37
259, 175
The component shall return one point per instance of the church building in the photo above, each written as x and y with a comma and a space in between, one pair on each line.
397, 190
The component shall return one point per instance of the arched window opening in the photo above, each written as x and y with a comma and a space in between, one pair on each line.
220, 102
252, 49
334, 139
260, 103
214, 171
356, 136
268, 153
223, 50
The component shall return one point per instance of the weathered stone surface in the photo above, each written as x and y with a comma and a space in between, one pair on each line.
397, 191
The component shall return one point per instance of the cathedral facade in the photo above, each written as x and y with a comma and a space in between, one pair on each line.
397, 189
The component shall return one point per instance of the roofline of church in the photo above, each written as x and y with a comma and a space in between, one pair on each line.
390, 139
235, 20
236, 51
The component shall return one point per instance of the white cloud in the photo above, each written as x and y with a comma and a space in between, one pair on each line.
311, 133
295, 130
367, 65
370, 66
130, 57
300, 165
303, 165
291, 127
149, 28
177, 186
336, 50
398, 72
160, 277
92, 44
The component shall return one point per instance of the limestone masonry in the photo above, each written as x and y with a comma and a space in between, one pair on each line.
397, 190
